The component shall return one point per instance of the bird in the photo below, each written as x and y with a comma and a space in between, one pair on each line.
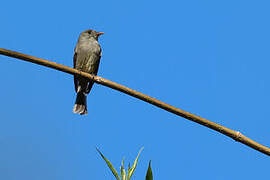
86, 58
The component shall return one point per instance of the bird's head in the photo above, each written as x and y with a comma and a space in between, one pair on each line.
91, 33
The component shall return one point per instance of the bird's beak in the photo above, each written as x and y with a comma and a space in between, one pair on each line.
99, 33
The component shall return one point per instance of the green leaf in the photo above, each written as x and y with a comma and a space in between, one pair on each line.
109, 164
149, 174
134, 165
123, 172
128, 168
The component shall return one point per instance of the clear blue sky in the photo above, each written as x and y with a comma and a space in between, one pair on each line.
210, 58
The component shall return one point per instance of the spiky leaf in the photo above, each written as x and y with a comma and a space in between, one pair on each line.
132, 169
149, 174
128, 168
109, 164
123, 172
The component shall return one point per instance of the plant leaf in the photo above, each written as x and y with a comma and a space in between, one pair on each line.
109, 164
123, 172
134, 165
128, 168
149, 174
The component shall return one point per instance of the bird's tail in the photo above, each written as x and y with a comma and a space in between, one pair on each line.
80, 106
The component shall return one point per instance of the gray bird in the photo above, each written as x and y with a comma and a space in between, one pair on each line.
86, 58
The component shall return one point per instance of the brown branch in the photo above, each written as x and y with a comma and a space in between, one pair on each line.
237, 136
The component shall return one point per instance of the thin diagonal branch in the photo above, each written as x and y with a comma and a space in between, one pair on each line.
237, 136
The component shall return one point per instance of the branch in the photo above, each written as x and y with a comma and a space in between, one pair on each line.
237, 136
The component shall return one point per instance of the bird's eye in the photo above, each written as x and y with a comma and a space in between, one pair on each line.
89, 32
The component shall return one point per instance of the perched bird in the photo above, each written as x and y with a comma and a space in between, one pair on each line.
86, 58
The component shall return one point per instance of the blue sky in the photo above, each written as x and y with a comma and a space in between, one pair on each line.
210, 58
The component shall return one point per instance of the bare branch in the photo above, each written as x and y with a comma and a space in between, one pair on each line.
237, 136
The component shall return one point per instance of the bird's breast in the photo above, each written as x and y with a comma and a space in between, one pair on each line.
88, 56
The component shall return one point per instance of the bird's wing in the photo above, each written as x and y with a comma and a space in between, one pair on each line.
74, 66
99, 56
90, 84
